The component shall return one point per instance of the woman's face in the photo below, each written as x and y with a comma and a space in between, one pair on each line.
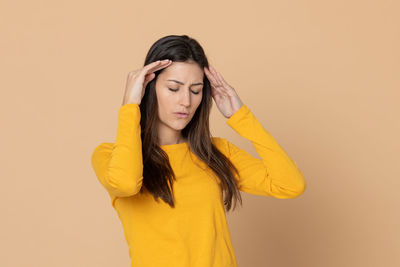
186, 81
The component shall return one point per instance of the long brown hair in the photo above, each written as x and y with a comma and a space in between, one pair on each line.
158, 175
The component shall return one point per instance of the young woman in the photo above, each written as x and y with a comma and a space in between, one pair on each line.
168, 178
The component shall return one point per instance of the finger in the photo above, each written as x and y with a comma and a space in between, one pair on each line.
211, 78
217, 90
154, 66
223, 85
214, 72
144, 69
148, 78
221, 79
214, 92
159, 64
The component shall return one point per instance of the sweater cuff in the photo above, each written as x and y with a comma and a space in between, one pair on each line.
238, 115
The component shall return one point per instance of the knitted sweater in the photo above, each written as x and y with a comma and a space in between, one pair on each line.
195, 233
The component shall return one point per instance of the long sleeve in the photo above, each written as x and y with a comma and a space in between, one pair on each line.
118, 166
275, 174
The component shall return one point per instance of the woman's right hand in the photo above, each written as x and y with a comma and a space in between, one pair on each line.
138, 79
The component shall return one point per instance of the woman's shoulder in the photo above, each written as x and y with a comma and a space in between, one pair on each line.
217, 139
221, 143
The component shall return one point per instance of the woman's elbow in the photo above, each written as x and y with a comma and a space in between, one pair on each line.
299, 189
127, 188
293, 191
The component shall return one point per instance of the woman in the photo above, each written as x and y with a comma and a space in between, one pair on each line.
168, 179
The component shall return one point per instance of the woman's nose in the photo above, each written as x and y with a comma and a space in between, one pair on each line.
185, 98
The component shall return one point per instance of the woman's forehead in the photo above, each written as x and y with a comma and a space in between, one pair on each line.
183, 72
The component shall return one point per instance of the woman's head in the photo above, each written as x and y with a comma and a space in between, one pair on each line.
188, 62
179, 88
158, 121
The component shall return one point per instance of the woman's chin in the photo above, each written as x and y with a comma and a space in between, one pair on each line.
179, 125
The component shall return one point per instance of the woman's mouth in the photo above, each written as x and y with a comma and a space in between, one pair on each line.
181, 115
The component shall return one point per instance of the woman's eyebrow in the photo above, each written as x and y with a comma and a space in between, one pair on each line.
183, 83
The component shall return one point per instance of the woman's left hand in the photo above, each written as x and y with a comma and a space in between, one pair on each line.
226, 98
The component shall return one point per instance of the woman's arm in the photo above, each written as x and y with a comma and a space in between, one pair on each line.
276, 174
119, 166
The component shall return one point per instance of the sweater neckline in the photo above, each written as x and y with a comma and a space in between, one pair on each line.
175, 146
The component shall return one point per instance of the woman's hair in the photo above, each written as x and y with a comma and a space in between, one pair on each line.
158, 175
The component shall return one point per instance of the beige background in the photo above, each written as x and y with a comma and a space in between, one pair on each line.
323, 78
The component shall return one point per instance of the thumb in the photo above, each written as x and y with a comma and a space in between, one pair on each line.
148, 79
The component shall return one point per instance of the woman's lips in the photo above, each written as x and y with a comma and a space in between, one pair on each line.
181, 115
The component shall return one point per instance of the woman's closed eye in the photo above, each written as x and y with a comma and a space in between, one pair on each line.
174, 90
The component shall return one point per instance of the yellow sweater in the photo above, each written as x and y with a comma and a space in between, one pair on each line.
194, 233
